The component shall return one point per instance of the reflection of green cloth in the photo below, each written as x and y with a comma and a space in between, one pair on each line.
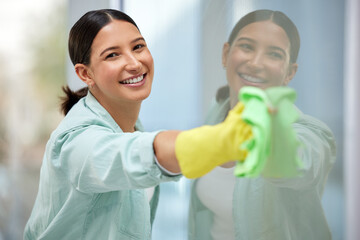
273, 149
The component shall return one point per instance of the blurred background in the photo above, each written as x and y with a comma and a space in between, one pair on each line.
185, 38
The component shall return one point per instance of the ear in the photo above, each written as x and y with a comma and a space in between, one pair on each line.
225, 54
291, 73
85, 74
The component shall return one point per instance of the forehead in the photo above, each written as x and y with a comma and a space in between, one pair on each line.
265, 32
116, 33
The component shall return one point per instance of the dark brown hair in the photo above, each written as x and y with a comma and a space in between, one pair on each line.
276, 17
81, 37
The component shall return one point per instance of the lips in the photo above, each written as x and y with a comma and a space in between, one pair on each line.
134, 80
251, 79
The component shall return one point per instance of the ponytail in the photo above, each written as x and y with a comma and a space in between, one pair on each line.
71, 98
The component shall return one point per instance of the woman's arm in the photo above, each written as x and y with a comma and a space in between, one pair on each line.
164, 148
197, 151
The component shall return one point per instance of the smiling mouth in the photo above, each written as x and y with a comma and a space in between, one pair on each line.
133, 80
251, 79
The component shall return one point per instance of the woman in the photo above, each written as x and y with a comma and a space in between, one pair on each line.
97, 163
261, 52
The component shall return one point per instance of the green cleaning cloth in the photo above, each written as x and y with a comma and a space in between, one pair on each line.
272, 152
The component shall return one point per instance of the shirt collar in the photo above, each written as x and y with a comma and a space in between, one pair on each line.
93, 104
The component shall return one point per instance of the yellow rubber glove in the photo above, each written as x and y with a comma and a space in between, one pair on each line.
199, 150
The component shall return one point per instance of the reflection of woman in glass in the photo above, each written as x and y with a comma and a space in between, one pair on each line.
97, 163
262, 51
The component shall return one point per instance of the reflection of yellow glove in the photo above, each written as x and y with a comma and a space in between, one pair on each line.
201, 149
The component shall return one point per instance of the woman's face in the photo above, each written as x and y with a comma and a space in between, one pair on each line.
259, 56
121, 66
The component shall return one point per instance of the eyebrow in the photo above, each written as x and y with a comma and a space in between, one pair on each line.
245, 38
116, 47
271, 47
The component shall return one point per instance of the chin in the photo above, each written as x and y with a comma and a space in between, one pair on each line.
141, 97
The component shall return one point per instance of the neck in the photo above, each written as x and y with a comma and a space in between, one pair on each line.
125, 114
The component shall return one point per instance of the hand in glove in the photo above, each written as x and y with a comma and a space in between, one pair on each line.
200, 150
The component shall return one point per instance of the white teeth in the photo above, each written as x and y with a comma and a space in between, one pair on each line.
252, 79
133, 80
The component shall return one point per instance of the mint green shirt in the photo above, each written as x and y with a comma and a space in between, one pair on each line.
92, 180
276, 209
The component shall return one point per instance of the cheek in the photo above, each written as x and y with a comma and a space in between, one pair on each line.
279, 73
148, 60
236, 58
150, 69
107, 72
151, 64
233, 80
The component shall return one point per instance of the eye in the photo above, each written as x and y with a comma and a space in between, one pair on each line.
276, 55
246, 46
138, 46
111, 55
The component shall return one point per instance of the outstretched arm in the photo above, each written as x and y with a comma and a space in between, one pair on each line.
197, 151
164, 148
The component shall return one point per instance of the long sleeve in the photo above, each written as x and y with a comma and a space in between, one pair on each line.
95, 159
317, 153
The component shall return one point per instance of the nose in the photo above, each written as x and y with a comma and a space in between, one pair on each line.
132, 63
256, 62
